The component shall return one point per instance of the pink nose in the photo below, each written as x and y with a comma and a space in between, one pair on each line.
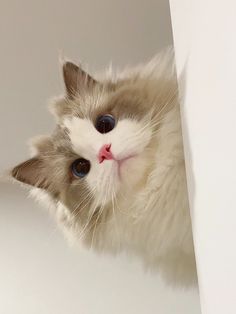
105, 153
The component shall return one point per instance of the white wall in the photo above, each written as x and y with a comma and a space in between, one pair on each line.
204, 35
39, 273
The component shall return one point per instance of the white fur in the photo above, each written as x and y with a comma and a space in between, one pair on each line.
125, 139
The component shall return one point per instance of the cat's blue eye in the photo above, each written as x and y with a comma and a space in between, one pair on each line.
80, 168
105, 123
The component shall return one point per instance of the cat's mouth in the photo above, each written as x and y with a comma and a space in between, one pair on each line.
105, 153
122, 160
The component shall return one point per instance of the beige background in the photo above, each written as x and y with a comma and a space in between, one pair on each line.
39, 273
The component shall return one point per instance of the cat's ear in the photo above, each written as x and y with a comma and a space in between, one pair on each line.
31, 172
76, 79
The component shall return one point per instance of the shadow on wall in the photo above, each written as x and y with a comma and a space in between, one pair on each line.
182, 83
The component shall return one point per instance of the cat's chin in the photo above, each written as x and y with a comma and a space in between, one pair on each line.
123, 164
131, 172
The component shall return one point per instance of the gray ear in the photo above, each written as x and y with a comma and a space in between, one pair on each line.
31, 172
76, 79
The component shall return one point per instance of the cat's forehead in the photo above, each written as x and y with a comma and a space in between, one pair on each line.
123, 101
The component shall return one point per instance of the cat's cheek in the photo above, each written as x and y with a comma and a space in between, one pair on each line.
94, 179
103, 180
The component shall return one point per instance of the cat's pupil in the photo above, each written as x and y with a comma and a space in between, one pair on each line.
80, 168
105, 123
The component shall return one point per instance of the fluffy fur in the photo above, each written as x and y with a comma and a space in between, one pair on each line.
137, 203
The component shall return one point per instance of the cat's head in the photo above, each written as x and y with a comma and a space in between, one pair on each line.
100, 149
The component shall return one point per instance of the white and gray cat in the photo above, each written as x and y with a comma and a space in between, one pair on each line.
113, 170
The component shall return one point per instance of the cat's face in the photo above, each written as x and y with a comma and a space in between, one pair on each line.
100, 148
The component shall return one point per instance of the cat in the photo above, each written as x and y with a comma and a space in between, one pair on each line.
113, 170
